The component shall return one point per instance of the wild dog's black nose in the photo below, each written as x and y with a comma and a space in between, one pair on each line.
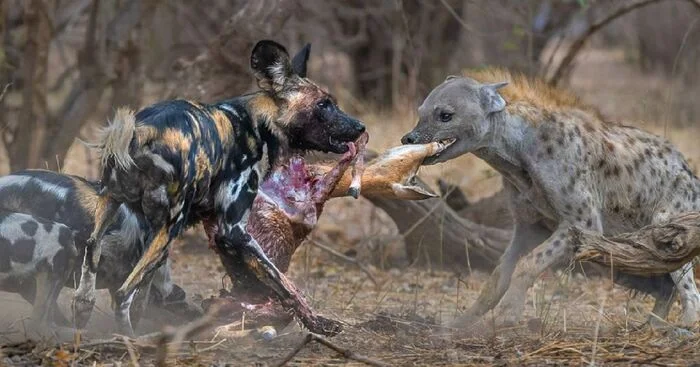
409, 138
360, 127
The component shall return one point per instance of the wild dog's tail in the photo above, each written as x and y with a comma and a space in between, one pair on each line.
115, 138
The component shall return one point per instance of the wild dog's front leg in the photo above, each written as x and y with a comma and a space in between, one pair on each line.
105, 214
84, 296
234, 244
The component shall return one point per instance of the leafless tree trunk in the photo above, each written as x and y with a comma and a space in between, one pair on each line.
223, 70
25, 150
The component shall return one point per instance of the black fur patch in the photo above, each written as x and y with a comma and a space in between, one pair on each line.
29, 227
5, 250
65, 237
23, 250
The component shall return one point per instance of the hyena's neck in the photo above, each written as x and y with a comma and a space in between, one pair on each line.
503, 148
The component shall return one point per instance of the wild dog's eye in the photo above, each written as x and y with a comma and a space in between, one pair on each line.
446, 116
324, 103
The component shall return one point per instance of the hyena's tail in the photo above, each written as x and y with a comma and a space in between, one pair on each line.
114, 139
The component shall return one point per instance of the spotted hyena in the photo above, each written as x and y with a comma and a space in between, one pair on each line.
564, 165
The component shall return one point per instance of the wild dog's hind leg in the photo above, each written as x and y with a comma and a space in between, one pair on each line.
84, 296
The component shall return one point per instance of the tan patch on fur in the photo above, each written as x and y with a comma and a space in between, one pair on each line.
223, 127
202, 164
532, 98
176, 140
262, 106
144, 133
86, 195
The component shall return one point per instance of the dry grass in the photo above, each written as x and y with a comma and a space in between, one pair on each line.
569, 319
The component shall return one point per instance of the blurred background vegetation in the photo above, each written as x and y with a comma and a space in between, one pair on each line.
65, 65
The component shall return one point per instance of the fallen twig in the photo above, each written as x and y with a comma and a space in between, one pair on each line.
344, 257
310, 337
4, 90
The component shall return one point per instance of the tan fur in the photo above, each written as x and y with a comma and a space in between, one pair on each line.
86, 195
389, 175
531, 98
114, 139
223, 127
177, 141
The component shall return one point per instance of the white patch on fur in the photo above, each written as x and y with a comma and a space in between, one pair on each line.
228, 194
47, 244
159, 162
15, 180
230, 109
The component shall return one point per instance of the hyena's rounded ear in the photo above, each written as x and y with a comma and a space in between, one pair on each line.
491, 100
271, 65
299, 61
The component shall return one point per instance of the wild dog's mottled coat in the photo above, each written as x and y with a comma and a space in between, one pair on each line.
193, 160
57, 211
564, 166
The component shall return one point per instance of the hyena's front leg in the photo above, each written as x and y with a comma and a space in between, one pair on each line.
525, 237
557, 249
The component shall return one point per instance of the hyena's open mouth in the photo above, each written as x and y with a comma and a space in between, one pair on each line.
443, 147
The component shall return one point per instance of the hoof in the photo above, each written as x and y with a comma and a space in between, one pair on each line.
82, 310
354, 192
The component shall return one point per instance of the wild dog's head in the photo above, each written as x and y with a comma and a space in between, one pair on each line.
303, 114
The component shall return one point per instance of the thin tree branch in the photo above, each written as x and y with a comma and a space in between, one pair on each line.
342, 351
348, 259
581, 41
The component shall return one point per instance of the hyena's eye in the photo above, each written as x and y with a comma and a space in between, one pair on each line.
446, 116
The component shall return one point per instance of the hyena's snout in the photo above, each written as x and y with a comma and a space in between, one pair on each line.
410, 138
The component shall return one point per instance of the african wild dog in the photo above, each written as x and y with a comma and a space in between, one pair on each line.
177, 160
37, 259
564, 166
47, 219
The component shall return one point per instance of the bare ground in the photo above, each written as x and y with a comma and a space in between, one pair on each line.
570, 319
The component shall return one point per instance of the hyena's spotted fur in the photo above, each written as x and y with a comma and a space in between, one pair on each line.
48, 216
564, 166
179, 161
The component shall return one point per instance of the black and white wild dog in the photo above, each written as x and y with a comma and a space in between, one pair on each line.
45, 221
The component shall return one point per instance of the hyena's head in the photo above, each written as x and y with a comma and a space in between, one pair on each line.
458, 113
306, 116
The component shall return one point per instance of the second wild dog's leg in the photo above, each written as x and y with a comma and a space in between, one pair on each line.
84, 296
105, 213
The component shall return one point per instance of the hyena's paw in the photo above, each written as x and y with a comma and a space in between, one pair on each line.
81, 307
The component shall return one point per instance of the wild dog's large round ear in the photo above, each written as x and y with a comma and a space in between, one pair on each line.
271, 65
491, 100
299, 61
